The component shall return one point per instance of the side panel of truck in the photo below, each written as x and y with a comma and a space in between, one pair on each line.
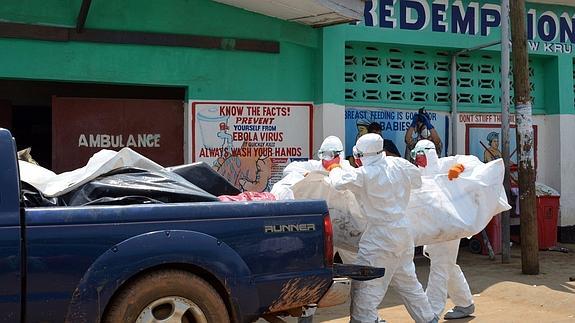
10, 255
64, 243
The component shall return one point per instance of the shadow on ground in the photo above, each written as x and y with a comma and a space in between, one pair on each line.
505, 280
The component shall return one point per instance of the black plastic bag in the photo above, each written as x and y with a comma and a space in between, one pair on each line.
31, 197
204, 177
129, 185
124, 200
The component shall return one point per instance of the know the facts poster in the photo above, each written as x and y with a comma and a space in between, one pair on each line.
251, 143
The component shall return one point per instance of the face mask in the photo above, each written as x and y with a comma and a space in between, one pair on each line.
421, 159
415, 152
326, 163
425, 133
357, 155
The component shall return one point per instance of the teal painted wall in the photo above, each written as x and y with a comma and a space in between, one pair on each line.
208, 74
562, 86
330, 67
553, 70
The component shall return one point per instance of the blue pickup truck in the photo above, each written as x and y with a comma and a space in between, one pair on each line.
182, 262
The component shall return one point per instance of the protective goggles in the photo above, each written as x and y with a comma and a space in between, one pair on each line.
328, 154
359, 154
419, 151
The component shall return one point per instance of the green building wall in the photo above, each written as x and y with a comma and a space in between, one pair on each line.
207, 74
309, 67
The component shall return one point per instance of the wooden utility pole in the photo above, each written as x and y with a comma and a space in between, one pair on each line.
529, 239
505, 50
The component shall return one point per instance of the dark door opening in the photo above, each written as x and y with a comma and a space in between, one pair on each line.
26, 108
32, 126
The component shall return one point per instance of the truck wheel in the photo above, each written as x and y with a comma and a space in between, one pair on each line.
475, 246
167, 296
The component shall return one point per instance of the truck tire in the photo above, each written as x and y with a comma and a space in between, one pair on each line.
171, 295
475, 246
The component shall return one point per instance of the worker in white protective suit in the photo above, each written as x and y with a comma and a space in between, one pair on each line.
445, 276
330, 155
382, 186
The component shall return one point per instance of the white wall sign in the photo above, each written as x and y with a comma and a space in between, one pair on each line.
250, 143
489, 118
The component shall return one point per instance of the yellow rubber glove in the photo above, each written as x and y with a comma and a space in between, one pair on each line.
455, 171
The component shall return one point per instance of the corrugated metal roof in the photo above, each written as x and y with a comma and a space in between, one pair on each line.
308, 12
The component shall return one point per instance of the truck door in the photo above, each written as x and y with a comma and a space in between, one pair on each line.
10, 248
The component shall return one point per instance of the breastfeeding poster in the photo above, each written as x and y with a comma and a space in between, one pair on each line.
394, 124
250, 143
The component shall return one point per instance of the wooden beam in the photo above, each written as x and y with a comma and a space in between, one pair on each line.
27, 31
12, 30
82, 15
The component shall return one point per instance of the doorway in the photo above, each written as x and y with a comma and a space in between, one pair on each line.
26, 108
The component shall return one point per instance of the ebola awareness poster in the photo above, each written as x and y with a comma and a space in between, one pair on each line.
251, 143
394, 124
484, 141
483, 136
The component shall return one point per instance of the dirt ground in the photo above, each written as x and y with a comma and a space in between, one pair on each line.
501, 292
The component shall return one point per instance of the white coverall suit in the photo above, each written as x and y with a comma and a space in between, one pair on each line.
382, 187
330, 154
330, 144
445, 276
330, 147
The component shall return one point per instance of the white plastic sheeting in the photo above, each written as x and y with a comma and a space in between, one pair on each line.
347, 218
441, 210
282, 189
102, 162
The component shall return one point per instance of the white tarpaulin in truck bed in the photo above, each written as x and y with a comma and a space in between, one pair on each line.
104, 161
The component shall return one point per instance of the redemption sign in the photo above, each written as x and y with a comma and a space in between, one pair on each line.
548, 30
251, 143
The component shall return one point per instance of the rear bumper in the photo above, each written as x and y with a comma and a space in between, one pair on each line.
340, 289
357, 272
337, 294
